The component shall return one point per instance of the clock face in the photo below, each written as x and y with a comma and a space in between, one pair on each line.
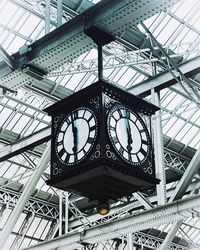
76, 136
128, 135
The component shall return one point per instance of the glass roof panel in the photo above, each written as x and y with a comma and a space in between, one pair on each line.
5, 15
9, 242
26, 242
32, 21
195, 142
46, 230
41, 228
183, 9
167, 30
4, 218
18, 225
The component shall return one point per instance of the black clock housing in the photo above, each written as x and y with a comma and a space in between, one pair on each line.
102, 143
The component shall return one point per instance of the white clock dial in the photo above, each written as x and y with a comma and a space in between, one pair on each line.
128, 135
76, 136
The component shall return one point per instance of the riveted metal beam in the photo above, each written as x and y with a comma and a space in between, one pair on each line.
150, 218
165, 79
68, 41
25, 144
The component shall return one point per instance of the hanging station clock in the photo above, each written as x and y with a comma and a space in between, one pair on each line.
101, 143
75, 136
101, 147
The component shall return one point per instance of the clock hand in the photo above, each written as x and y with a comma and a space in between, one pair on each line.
129, 137
75, 133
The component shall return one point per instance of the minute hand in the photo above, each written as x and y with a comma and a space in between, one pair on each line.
75, 134
129, 136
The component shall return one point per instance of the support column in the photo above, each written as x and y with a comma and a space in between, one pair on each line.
170, 235
136, 222
29, 187
59, 13
60, 212
6, 57
178, 194
159, 152
130, 241
100, 61
66, 212
47, 16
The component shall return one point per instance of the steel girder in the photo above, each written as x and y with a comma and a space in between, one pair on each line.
179, 192
165, 79
6, 57
68, 41
38, 207
146, 219
136, 239
152, 242
25, 144
187, 177
122, 210
26, 194
128, 58
175, 162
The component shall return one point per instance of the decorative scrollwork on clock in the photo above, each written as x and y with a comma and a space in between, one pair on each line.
55, 169
108, 102
95, 101
97, 153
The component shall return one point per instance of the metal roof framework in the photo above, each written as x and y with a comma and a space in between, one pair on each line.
155, 56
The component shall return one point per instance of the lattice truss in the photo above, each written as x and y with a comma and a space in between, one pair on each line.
158, 50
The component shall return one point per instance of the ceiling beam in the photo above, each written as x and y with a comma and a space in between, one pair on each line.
141, 221
165, 79
25, 144
26, 194
178, 193
6, 57
67, 42
122, 209
187, 177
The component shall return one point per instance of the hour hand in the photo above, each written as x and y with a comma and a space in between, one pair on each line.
75, 133
129, 137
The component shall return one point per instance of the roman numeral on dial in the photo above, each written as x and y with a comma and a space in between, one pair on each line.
143, 152
75, 115
115, 140
61, 152
144, 142
92, 128
121, 150
90, 140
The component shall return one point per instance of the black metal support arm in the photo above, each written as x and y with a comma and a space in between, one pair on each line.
100, 37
